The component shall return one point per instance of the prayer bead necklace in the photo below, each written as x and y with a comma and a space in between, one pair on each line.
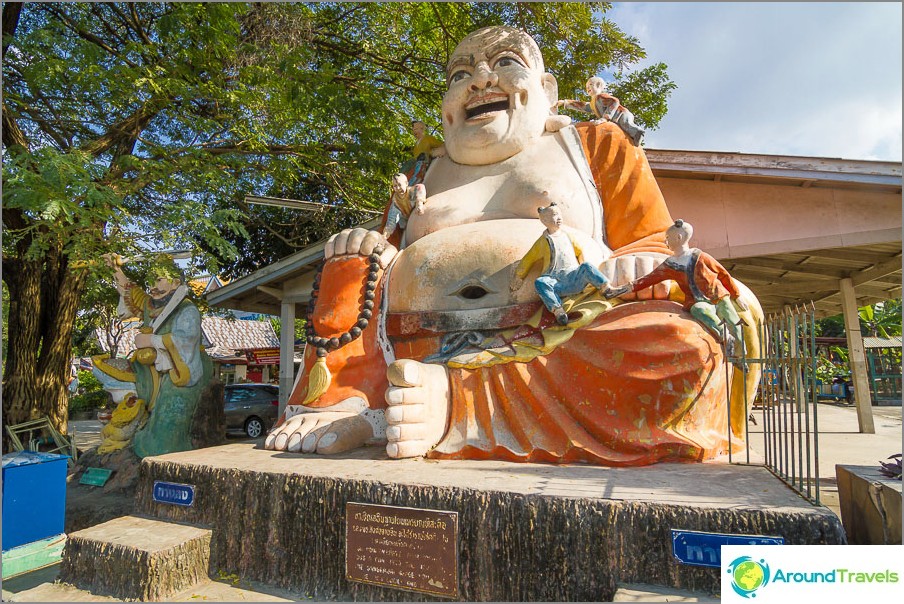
325, 345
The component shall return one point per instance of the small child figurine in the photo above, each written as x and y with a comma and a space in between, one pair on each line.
402, 201
564, 272
605, 107
708, 288
427, 145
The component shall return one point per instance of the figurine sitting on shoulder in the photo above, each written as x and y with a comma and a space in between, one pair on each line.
427, 145
404, 199
564, 273
708, 288
606, 107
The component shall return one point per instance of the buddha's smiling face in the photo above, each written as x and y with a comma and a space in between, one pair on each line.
498, 96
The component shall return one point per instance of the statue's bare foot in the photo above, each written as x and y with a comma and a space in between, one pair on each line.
341, 427
418, 399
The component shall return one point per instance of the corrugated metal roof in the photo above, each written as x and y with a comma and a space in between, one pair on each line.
216, 332
873, 342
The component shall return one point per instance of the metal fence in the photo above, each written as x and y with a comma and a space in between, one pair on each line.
785, 408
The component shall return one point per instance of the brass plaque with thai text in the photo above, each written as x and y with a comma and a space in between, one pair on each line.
402, 548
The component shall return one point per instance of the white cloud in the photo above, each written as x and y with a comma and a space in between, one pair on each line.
819, 79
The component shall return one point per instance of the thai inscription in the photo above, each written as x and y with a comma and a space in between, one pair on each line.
402, 548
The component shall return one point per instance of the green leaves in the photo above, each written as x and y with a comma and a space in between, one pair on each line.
152, 121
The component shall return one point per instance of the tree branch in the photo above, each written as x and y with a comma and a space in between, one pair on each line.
86, 35
11, 11
136, 22
12, 134
123, 133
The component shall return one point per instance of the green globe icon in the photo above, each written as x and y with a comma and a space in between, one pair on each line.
748, 575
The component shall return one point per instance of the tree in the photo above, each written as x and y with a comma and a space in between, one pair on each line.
882, 319
130, 125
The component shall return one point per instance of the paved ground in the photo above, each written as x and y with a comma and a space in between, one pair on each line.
87, 433
839, 443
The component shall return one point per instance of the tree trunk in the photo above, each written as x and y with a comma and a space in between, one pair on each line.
19, 377
44, 299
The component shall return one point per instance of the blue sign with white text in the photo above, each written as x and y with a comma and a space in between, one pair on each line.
174, 493
705, 549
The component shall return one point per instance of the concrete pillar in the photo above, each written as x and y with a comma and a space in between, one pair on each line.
265, 374
286, 353
857, 358
241, 372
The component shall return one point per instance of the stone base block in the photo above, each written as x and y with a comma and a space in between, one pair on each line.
527, 532
136, 558
870, 505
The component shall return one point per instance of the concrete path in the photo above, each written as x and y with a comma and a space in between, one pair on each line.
840, 443
42, 588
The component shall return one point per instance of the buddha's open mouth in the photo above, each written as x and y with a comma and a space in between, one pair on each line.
487, 104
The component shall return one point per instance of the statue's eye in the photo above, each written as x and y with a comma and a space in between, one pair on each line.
458, 76
508, 61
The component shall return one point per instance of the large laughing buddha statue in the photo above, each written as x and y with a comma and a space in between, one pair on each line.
430, 343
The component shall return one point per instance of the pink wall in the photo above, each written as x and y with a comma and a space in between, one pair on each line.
742, 219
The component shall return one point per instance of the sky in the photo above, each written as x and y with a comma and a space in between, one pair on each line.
780, 78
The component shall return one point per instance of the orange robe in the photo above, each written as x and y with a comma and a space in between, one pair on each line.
643, 383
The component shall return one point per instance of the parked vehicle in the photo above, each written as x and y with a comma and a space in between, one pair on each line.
251, 408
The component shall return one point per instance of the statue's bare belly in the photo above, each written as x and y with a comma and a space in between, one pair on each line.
461, 252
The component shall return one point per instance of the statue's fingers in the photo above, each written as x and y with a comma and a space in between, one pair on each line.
624, 270
661, 290
329, 250
643, 265
355, 237
387, 255
341, 242
370, 241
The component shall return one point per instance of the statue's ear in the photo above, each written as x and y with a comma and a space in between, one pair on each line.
551, 88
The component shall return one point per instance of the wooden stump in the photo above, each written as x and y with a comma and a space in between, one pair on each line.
136, 558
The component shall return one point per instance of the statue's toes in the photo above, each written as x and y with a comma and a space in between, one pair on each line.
337, 436
345, 434
408, 448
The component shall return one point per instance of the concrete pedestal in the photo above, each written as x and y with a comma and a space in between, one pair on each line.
527, 531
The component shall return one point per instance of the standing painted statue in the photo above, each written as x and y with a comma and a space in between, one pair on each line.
159, 386
439, 356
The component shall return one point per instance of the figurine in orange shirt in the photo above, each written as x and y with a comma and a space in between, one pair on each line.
707, 287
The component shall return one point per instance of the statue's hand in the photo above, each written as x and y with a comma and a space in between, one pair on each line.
554, 123
112, 260
358, 241
630, 267
144, 340
516, 283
